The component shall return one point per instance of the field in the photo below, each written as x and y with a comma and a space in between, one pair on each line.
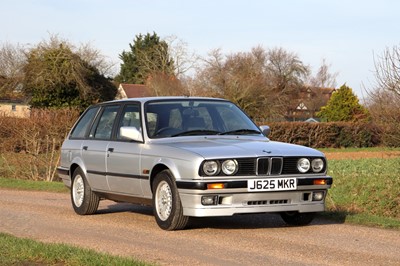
361, 153
366, 187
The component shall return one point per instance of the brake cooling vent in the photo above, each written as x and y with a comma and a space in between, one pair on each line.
267, 202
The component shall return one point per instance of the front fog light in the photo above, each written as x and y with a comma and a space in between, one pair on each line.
209, 200
318, 196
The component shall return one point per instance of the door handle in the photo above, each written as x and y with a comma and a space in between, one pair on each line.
85, 148
111, 149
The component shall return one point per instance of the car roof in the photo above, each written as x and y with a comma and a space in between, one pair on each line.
147, 99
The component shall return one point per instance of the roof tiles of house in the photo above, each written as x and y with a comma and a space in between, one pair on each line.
135, 90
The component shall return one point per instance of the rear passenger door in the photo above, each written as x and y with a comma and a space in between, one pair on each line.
123, 158
95, 148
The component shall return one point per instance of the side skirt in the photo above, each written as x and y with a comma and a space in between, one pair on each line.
124, 198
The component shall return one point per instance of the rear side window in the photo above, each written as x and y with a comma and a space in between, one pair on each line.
84, 123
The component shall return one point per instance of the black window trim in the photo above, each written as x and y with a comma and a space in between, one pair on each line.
119, 117
88, 129
95, 123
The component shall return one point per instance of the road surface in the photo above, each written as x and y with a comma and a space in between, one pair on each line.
130, 230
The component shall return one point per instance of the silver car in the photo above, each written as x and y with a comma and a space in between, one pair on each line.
189, 157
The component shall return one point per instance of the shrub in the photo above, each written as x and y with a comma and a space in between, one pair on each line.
30, 146
327, 135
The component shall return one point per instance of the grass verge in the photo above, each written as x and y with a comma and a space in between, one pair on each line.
32, 185
21, 251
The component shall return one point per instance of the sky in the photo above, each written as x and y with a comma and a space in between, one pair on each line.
347, 34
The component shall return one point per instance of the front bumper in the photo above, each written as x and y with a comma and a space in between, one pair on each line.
237, 200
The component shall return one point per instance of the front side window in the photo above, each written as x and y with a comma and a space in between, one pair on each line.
103, 130
130, 118
84, 123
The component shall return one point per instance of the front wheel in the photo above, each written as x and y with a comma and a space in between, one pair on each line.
84, 200
167, 206
297, 219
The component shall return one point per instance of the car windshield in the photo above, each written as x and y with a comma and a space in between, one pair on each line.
188, 117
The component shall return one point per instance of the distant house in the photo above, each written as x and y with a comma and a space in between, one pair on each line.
14, 108
308, 102
14, 103
312, 120
131, 91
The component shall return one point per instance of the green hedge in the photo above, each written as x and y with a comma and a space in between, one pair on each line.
327, 135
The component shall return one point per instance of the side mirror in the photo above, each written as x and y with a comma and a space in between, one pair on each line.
265, 130
131, 133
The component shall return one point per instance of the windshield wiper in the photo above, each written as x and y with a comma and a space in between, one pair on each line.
243, 131
197, 132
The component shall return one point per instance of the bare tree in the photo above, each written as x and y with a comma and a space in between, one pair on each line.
183, 59
12, 60
94, 57
318, 87
161, 84
323, 78
384, 107
260, 82
387, 70
286, 76
384, 98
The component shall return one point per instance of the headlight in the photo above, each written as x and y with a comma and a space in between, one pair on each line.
229, 167
303, 165
317, 165
211, 168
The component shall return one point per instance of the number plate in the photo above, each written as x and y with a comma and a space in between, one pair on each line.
271, 184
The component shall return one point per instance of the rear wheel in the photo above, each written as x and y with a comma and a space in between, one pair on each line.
297, 218
84, 201
167, 206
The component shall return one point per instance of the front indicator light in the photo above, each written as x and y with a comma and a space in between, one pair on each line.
216, 186
209, 200
320, 182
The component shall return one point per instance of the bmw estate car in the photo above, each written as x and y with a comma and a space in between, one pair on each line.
189, 157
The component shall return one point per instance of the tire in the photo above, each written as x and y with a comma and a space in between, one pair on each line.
84, 201
297, 219
167, 206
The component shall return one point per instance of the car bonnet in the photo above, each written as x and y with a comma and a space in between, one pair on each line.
240, 147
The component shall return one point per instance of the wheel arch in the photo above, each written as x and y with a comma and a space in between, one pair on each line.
75, 164
156, 170
72, 169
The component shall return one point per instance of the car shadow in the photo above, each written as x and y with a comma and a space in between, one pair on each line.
246, 221
251, 221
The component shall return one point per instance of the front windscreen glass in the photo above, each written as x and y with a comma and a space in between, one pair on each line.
175, 118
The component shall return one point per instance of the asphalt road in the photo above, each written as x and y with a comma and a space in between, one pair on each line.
130, 230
